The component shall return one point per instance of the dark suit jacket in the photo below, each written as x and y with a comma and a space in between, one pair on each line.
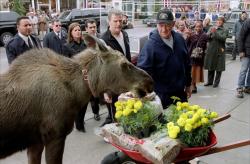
52, 41
74, 48
113, 43
16, 46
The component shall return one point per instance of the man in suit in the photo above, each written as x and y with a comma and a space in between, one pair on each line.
56, 39
118, 40
23, 40
91, 27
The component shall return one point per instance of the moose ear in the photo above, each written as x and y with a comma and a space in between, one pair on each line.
93, 42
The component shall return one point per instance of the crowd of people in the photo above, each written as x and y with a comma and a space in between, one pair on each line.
175, 54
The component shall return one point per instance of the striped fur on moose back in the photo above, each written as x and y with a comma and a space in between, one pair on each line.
42, 92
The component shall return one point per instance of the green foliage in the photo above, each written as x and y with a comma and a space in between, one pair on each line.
197, 137
144, 119
199, 121
17, 6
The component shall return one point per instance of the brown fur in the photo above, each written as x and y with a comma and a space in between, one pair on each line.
42, 92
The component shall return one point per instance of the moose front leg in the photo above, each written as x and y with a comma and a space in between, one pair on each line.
35, 154
54, 151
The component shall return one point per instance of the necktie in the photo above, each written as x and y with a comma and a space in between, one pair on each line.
58, 34
29, 43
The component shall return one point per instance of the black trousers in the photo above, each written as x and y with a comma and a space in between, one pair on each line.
211, 79
111, 109
79, 120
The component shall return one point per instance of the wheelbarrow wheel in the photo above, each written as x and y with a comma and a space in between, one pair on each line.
117, 157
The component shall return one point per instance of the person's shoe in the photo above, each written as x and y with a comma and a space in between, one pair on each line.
247, 90
215, 85
194, 90
207, 84
239, 93
97, 117
81, 128
233, 58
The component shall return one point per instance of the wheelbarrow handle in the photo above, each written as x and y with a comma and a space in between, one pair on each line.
222, 118
227, 147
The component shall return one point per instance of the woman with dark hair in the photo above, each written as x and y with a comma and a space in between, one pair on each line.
75, 44
196, 48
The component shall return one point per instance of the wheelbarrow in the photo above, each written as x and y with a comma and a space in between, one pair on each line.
187, 154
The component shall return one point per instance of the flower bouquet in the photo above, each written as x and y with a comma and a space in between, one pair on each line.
191, 124
138, 118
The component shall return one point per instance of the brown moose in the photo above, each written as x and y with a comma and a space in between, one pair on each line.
42, 92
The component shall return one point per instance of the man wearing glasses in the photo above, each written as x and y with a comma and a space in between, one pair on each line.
165, 57
56, 39
23, 40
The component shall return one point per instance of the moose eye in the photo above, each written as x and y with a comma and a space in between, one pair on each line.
126, 65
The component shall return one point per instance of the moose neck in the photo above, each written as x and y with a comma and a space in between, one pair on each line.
86, 60
87, 81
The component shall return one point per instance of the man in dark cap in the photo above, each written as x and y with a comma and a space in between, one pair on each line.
165, 57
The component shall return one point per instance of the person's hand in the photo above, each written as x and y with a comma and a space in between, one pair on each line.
188, 92
242, 54
213, 30
107, 98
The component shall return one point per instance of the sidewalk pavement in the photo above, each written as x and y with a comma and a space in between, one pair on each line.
87, 148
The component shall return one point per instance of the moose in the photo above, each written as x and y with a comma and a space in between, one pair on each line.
42, 92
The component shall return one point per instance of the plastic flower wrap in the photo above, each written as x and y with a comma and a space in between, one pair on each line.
189, 123
135, 116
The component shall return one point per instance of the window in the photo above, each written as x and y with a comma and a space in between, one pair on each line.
64, 15
76, 15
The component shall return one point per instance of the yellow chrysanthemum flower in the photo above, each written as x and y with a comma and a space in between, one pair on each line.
176, 129
119, 108
130, 103
181, 122
170, 124
138, 105
196, 107
190, 121
213, 115
191, 108
178, 103
178, 107
118, 114
204, 121
196, 116
118, 104
172, 134
185, 105
126, 112
188, 127
184, 116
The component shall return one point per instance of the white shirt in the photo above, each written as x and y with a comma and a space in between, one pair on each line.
58, 34
120, 40
25, 38
169, 42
